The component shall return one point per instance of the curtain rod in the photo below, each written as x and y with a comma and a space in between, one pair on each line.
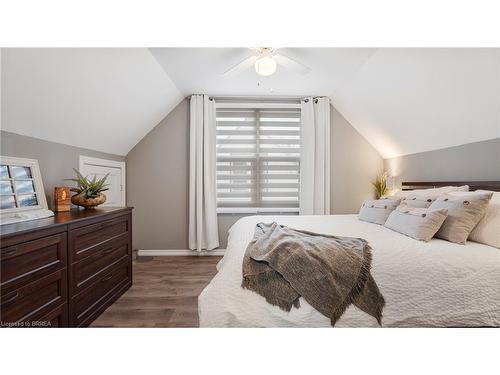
306, 99
315, 98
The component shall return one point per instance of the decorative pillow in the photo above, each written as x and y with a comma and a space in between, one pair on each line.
464, 212
394, 197
432, 191
487, 231
402, 194
418, 201
377, 211
418, 223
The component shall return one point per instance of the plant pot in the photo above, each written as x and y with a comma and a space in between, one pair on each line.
88, 203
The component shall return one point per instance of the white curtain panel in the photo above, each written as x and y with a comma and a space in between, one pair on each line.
203, 231
315, 157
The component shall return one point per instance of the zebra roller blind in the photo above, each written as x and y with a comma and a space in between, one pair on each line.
258, 156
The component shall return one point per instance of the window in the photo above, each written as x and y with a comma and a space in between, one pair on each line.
258, 158
21, 189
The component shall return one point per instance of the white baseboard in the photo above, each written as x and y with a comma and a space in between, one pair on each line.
179, 252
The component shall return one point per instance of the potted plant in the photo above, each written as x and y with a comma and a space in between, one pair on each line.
380, 185
88, 191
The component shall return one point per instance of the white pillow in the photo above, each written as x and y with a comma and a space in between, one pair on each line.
432, 191
418, 223
487, 231
465, 210
418, 201
377, 211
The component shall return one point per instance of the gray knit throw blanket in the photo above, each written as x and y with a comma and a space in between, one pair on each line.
329, 272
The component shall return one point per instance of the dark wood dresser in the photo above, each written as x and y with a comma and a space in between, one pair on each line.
64, 271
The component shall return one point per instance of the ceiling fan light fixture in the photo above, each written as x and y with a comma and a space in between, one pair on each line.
265, 66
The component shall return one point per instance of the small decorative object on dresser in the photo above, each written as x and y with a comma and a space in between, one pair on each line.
380, 185
61, 199
64, 271
88, 192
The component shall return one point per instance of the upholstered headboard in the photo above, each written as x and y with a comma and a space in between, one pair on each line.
473, 185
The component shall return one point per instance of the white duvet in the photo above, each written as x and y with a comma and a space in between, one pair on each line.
431, 284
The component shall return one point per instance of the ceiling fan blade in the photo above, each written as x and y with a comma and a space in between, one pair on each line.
291, 64
242, 66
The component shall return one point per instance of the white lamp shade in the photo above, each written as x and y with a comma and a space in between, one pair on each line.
265, 66
391, 182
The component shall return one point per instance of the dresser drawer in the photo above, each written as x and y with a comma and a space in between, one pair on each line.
83, 240
34, 300
28, 261
103, 257
91, 302
55, 318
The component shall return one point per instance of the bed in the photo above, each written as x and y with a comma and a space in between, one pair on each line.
425, 284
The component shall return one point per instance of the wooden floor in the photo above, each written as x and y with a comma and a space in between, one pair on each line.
164, 293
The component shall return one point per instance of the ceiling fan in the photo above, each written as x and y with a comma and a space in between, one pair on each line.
265, 63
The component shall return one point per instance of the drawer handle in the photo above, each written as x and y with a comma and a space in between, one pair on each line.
107, 251
10, 252
10, 299
103, 280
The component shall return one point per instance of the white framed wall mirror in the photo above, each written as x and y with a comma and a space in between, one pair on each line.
22, 196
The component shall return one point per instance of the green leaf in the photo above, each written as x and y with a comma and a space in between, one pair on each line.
89, 187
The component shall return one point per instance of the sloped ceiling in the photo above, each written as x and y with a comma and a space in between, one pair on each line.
200, 70
101, 99
402, 101
409, 101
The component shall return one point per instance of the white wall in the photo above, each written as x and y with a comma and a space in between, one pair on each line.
103, 99
409, 100
354, 163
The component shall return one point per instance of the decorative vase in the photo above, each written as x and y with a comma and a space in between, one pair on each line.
88, 203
